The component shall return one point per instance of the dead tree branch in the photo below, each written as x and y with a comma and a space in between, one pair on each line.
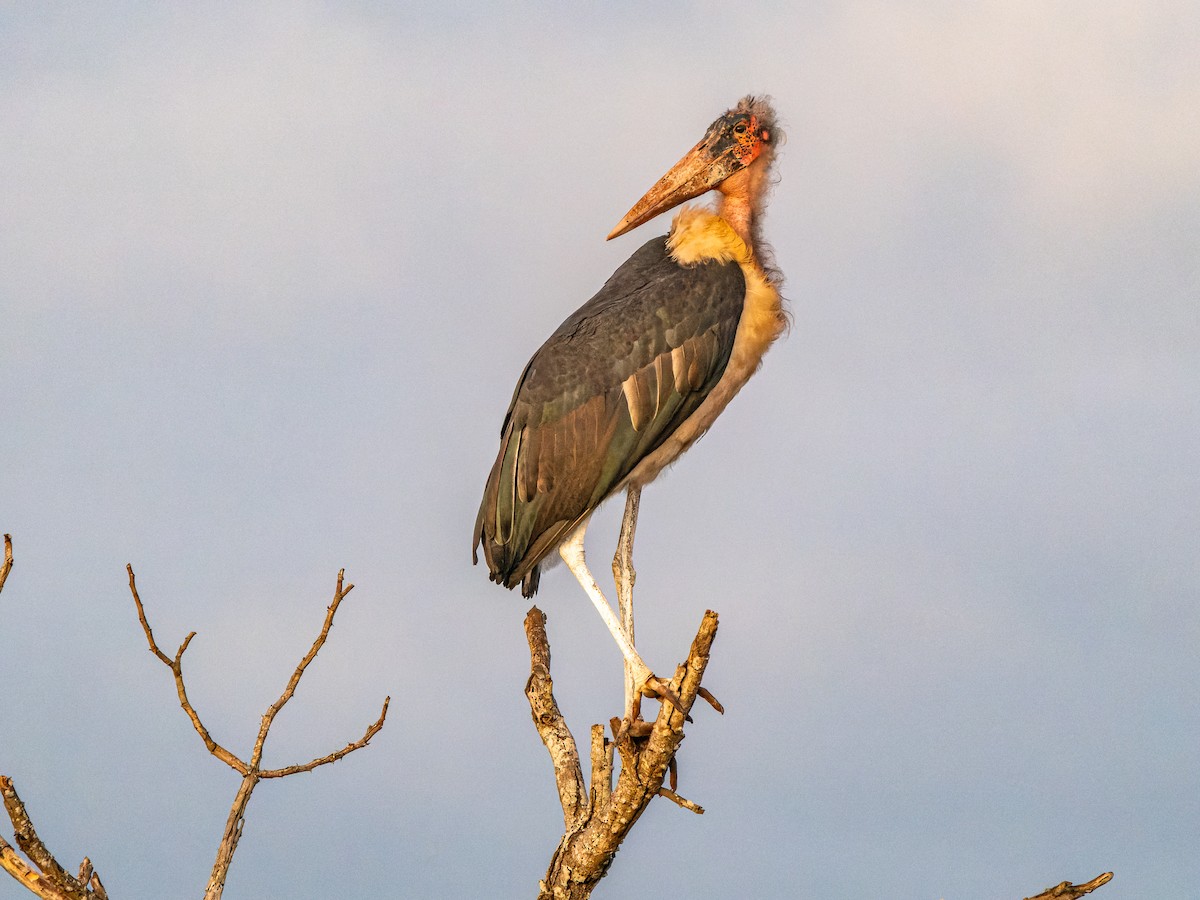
252, 771
45, 877
595, 826
1068, 891
8, 560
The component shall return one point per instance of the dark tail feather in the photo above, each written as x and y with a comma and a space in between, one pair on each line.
529, 584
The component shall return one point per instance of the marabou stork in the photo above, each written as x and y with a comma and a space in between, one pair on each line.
638, 373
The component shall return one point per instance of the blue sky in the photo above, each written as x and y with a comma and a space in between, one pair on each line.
268, 273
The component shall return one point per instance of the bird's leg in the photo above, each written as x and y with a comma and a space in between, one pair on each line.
573, 555
624, 576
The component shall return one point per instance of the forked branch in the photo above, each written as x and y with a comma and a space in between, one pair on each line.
252, 771
595, 826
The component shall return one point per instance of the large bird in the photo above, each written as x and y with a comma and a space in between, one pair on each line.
638, 373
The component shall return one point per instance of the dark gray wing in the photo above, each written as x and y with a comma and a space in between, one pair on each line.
608, 387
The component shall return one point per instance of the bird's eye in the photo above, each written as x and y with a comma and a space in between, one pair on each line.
739, 128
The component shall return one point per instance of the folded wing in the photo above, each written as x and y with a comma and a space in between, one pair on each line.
616, 378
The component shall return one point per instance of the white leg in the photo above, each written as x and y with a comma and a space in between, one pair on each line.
573, 555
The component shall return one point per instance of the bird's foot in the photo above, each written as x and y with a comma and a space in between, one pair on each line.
650, 685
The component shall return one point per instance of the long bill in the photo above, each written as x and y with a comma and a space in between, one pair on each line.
704, 167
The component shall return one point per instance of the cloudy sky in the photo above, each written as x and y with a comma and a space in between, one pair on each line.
268, 273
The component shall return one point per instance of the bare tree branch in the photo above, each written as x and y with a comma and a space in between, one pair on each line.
1068, 891
372, 730
682, 801
176, 667
548, 720
251, 772
27, 836
8, 560
230, 837
594, 831
50, 880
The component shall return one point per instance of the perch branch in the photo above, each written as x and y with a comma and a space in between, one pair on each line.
593, 832
624, 576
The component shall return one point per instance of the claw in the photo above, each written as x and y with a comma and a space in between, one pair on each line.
712, 701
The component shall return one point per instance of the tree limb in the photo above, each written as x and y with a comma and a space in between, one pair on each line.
8, 560
372, 730
594, 831
273, 710
50, 880
251, 772
539, 689
176, 667
1068, 891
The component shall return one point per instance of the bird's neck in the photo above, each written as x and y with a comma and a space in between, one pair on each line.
741, 202
740, 214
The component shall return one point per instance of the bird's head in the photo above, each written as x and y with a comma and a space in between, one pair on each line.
745, 136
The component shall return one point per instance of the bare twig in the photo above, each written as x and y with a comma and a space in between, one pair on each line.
685, 803
1068, 891
45, 877
602, 768
594, 832
176, 667
372, 730
273, 710
8, 560
252, 772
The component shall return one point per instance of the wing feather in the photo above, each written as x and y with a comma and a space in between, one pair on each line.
608, 387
